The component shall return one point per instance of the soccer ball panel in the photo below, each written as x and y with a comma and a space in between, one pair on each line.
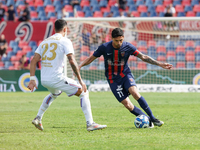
141, 121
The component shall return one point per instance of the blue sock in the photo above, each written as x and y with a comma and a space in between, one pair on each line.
145, 107
137, 111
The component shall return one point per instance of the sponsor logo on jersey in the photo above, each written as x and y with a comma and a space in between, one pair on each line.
122, 54
24, 80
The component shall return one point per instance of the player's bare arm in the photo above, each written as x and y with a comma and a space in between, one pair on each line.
74, 66
152, 61
87, 61
32, 83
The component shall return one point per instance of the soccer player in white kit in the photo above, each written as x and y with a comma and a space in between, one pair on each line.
52, 51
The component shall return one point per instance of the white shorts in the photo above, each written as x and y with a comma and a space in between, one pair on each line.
67, 85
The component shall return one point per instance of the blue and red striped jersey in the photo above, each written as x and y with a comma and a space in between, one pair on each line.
115, 60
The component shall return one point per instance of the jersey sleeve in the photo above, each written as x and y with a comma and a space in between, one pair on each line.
134, 50
68, 47
99, 51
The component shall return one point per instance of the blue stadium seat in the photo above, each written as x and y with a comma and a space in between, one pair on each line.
30, 54
34, 19
66, 2
151, 8
4, 59
71, 14
161, 43
16, 49
197, 43
34, 48
86, 8
181, 14
43, 18
32, 43
176, 2
88, 14
198, 14
132, 8
96, 8
152, 52
116, 14
144, 14
189, 48
103, 3
7, 64
190, 65
170, 45
114, 8
180, 43
13, 43
180, 56
56, 3
149, 3
41, 14
194, 2
10, 54
51, 14
78, 8
161, 14
139, 2
188, 8
32, 8
197, 56
129, 3
158, 2
19, 2
142, 43
47, 2
58, 8
10, 2
94, 3
153, 14
40, 8
105, 14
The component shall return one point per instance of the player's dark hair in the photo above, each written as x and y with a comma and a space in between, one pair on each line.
60, 24
117, 32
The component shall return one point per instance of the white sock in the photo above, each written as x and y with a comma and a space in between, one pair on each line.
45, 104
86, 107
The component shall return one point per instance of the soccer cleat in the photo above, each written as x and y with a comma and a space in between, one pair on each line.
151, 125
38, 124
95, 126
157, 122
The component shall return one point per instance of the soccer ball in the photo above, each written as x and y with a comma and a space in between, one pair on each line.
141, 121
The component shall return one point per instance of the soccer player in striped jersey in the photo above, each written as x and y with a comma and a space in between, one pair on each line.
119, 76
52, 51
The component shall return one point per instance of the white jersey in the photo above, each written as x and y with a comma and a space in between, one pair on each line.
52, 52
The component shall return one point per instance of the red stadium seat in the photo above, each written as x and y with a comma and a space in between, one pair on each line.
171, 54
33, 14
179, 8
39, 3
189, 43
20, 8
80, 14
16, 64
135, 14
197, 66
151, 43
105, 9
132, 58
112, 2
180, 49
134, 43
26, 49
180, 65
85, 3
5, 7
142, 8
1, 64
15, 58
85, 49
197, 49
97, 14
190, 14
186, 3
142, 49
20, 53
161, 49
160, 8
196, 8
9, 49
190, 56
49, 8
167, 2
68, 8
161, 58
30, 2
22, 44
142, 65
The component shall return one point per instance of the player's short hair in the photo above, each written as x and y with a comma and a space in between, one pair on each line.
117, 32
60, 24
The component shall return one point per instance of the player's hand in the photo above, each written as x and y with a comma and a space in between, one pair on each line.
32, 85
166, 65
84, 87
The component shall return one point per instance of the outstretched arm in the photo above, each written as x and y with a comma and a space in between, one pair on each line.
152, 61
87, 61
74, 66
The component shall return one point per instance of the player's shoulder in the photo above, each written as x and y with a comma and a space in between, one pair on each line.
129, 45
107, 44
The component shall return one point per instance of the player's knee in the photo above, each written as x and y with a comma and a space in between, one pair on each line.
128, 105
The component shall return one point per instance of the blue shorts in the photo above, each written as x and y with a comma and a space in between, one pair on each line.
120, 87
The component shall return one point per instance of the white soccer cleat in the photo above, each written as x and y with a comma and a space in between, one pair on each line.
151, 125
95, 126
157, 122
38, 124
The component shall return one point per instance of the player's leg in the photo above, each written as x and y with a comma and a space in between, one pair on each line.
144, 105
47, 101
73, 88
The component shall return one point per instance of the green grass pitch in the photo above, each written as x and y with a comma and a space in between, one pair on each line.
65, 127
